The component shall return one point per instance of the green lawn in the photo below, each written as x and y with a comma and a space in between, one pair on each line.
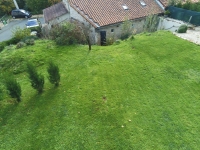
142, 94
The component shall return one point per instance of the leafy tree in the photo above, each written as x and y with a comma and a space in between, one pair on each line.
37, 80
54, 75
85, 33
6, 6
13, 88
21, 3
36, 6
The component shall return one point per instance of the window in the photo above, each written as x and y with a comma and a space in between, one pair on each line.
142, 3
112, 30
125, 7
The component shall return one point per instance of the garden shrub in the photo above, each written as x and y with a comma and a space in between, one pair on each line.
30, 42
67, 33
182, 28
13, 87
110, 40
151, 23
117, 42
20, 45
10, 47
54, 75
2, 46
36, 79
1, 92
19, 33
29, 37
189, 5
11, 41
127, 29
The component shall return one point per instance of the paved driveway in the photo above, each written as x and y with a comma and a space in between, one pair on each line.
6, 31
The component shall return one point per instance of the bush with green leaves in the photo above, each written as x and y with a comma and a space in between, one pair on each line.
20, 45
19, 33
13, 87
182, 29
11, 41
189, 5
1, 92
36, 79
151, 23
30, 42
126, 29
54, 75
29, 37
67, 33
2, 46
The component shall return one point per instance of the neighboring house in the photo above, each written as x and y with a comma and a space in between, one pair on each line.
164, 3
55, 14
105, 17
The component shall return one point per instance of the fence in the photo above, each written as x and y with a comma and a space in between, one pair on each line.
189, 16
4, 19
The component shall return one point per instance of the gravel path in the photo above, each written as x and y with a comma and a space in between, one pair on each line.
191, 35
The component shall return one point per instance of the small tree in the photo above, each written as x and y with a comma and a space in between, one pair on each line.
54, 75
13, 88
86, 33
151, 23
37, 80
126, 29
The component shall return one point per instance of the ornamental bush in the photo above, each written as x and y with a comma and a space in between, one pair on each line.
36, 79
182, 28
54, 75
13, 88
67, 33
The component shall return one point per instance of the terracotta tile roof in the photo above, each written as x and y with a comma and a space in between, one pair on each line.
105, 12
54, 11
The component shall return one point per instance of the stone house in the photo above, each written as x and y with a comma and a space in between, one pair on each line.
105, 17
55, 14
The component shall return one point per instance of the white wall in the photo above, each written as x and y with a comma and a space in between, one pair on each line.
58, 20
169, 24
137, 27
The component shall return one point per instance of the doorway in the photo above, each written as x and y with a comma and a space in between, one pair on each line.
103, 38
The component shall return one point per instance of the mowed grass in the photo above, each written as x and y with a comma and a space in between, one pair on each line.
141, 94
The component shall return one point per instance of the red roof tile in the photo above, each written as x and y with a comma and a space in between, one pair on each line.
105, 12
54, 11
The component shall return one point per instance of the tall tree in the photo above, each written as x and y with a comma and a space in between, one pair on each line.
52, 2
21, 4
6, 6
36, 6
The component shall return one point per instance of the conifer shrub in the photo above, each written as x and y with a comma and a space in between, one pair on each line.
54, 75
182, 28
13, 87
36, 79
